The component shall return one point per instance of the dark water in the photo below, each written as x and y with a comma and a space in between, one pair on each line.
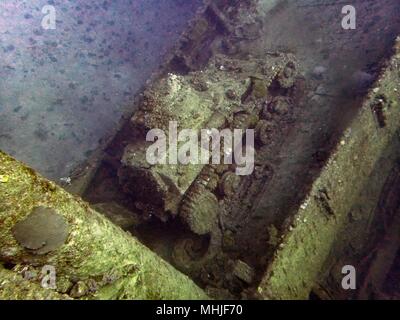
62, 90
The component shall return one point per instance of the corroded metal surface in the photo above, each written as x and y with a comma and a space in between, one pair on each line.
323, 216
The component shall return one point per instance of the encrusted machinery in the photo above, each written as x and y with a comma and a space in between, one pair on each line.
227, 94
322, 194
211, 198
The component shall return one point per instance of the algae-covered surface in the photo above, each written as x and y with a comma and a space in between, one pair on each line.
322, 219
15, 287
109, 261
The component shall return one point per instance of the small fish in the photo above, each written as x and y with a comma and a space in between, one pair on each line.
66, 180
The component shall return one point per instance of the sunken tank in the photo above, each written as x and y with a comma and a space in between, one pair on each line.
227, 94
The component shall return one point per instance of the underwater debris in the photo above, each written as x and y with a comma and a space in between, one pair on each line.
264, 130
243, 271
229, 184
199, 210
287, 76
79, 290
